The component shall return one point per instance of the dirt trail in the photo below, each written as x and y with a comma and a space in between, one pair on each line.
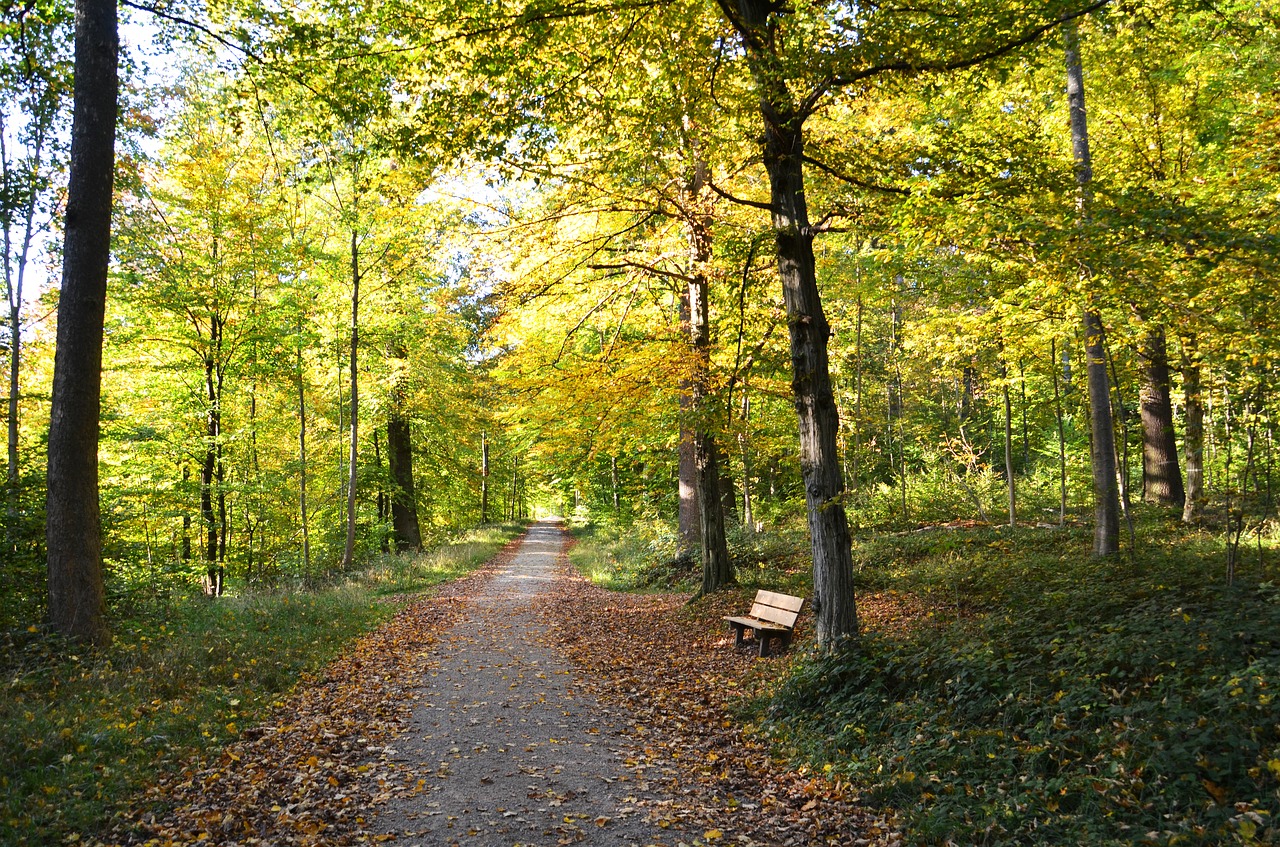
506, 752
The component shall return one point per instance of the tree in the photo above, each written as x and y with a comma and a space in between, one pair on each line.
203, 243
74, 527
1106, 516
800, 60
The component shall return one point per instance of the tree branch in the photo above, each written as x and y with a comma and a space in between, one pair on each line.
843, 80
632, 265
755, 204
844, 177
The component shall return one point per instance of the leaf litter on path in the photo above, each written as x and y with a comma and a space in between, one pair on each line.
514, 706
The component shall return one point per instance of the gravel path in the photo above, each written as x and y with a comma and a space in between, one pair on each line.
505, 752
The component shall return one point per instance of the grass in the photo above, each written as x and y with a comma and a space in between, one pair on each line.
81, 732
641, 557
1049, 698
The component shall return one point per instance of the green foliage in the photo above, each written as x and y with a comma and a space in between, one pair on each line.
637, 557
82, 732
1059, 700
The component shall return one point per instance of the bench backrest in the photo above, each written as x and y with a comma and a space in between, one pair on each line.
782, 609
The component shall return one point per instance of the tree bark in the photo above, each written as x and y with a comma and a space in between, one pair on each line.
484, 478
717, 568
208, 475
835, 612
302, 458
404, 500
1062, 435
1102, 448
1010, 483
744, 445
73, 526
688, 528
14, 281
1193, 399
1161, 475
404, 503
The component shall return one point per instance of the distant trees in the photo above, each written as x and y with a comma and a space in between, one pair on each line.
35, 66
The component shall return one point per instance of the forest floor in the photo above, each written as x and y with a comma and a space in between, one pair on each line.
519, 705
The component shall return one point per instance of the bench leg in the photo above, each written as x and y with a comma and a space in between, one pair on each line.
763, 638
739, 632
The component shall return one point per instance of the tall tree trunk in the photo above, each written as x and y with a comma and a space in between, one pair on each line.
382, 503
186, 517
1161, 475
484, 478
220, 471
73, 529
717, 568
404, 501
744, 445
1010, 482
688, 527
515, 488
209, 473
1193, 505
964, 407
856, 455
1102, 446
302, 458
1122, 454
14, 281
836, 615
1062, 435
348, 553
1106, 510
613, 485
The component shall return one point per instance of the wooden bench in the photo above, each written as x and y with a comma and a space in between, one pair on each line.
772, 615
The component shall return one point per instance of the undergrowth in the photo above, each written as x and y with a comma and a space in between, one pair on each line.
1055, 698
80, 732
1046, 697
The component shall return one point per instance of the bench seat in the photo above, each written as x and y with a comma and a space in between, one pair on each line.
772, 615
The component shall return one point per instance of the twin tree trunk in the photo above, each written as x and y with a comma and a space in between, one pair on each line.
73, 523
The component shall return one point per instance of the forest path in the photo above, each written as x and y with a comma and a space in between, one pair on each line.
504, 750
519, 705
